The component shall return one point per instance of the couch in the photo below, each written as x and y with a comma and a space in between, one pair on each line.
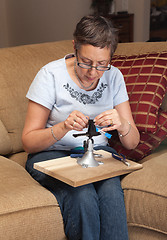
29, 211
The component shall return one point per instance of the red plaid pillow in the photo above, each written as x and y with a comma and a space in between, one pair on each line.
146, 81
148, 141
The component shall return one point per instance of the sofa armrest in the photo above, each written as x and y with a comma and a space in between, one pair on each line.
145, 194
27, 210
19, 188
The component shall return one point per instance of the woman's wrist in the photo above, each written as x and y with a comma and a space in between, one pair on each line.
58, 131
53, 135
125, 133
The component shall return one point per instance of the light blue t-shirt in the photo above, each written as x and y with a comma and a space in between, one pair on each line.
54, 89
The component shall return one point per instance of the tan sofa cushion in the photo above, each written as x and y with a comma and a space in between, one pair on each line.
136, 233
19, 158
27, 210
140, 47
5, 143
19, 65
146, 194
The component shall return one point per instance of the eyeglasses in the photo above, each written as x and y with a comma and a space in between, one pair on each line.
99, 68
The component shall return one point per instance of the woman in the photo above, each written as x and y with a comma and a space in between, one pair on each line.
63, 96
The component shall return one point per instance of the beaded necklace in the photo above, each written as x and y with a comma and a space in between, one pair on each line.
86, 88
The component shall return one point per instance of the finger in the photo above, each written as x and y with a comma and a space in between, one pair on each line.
104, 121
68, 124
110, 128
79, 121
77, 126
79, 117
71, 124
103, 115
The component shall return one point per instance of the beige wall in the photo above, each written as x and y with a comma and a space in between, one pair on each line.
3, 24
35, 21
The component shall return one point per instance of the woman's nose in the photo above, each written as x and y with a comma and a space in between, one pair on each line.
93, 69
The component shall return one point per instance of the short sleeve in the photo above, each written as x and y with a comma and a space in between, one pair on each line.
42, 89
120, 92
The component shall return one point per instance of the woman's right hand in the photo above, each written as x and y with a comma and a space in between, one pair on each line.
76, 121
36, 137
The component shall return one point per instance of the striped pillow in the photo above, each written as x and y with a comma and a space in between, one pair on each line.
146, 81
148, 141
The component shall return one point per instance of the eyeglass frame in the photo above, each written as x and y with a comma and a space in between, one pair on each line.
90, 66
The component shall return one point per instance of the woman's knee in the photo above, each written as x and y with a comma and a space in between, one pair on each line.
110, 189
85, 195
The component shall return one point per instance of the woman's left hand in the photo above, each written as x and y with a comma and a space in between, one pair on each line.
110, 120
120, 118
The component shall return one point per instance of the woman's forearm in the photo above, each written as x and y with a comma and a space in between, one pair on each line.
40, 139
130, 137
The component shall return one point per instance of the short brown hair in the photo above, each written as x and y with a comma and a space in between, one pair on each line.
97, 31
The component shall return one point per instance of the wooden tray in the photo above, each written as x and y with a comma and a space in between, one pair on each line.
67, 170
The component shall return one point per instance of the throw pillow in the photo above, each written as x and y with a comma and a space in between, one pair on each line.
146, 81
148, 141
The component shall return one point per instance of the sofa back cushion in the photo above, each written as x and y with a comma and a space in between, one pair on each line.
19, 66
5, 143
